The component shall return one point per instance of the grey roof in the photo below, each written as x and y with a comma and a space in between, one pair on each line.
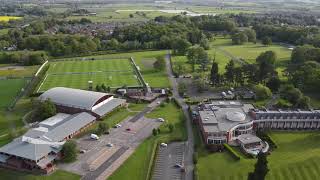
75, 123
72, 97
109, 106
27, 150
248, 139
216, 115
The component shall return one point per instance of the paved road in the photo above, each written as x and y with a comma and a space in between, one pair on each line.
188, 154
166, 159
106, 164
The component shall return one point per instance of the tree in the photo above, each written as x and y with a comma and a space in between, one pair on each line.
69, 151
103, 87
266, 41
182, 88
197, 55
170, 127
266, 62
160, 63
229, 74
205, 43
239, 38
251, 34
214, 74
180, 46
260, 168
262, 92
45, 109
154, 132
274, 83
102, 128
98, 88
131, 15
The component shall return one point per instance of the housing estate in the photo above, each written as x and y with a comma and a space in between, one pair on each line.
40, 147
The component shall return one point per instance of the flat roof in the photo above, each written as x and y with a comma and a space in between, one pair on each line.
54, 120
248, 139
221, 116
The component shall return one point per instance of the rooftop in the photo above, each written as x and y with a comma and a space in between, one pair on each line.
248, 139
70, 97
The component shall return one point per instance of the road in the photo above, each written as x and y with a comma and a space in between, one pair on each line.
189, 144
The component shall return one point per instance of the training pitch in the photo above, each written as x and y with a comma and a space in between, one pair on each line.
76, 74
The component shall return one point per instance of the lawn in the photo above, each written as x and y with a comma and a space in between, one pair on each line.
136, 167
250, 51
57, 175
297, 157
7, 18
10, 88
76, 74
145, 60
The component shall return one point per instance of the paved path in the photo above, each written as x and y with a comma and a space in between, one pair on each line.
188, 153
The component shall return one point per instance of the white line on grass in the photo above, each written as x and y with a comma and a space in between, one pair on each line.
42, 83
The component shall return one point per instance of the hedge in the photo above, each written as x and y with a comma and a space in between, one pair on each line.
265, 137
233, 153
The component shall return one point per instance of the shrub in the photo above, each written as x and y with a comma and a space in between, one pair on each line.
69, 151
233, 153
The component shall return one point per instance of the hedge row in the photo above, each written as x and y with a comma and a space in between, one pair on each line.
265, 137
36, 80
233, 153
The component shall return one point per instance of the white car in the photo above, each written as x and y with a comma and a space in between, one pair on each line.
83, 151
160, 119
109, 145
117, 125
94, 136
158, 102
164, 145
229, 92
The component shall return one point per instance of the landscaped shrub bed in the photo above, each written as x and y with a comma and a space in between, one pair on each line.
234, 154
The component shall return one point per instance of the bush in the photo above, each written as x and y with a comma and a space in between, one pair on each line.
262, 92
233, 153
195, 157
69, 151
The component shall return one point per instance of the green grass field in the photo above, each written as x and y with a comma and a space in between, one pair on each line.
250, 51
136, 167
145, 60
296, 158
59, 174
76, 74
9, 90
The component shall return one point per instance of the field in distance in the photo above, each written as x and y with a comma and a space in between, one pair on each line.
7, 18
77, 73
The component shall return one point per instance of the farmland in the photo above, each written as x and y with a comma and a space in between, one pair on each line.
8, 18
76, 74
297, 157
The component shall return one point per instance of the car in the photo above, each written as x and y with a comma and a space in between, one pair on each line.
82, 151
158, 102
160, 119
109, 145
178, 166
117, 125
163, 145
128, 129
229, 92
94, 136
223, 94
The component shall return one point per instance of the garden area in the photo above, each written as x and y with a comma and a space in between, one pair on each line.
297, 157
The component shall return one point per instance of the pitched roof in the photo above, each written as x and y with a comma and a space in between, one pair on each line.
109, 106
72, 97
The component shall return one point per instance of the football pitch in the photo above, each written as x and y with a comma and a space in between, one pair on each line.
76, 74
10, 88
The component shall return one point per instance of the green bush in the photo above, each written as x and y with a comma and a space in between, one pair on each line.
234, 154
